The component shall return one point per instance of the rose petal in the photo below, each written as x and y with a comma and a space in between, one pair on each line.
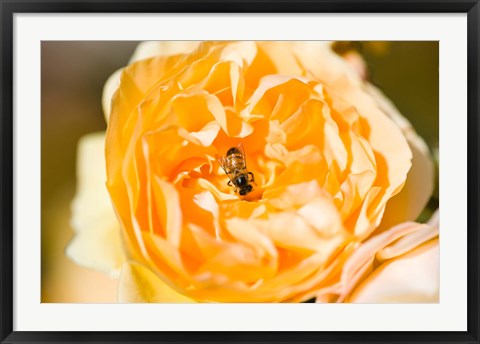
287, 196
98, 247
395, 242
167, 259
237, 263
292, 232
138, 284
242, 53
149, 49
206, 201
282, 57
318, 58
204, 136
111, 86
409, 203
97, 243
195, 109
408, 242
322, 215
168, 204
412, 278
144, 50
361, 259
435, 219
361, 176
391, 149
356, 60
91, 200
252, 237
298, 277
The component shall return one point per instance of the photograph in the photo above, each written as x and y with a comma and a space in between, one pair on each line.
240, 172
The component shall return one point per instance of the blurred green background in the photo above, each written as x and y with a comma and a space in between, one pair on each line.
72, 79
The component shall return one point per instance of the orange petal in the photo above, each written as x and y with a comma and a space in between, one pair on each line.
109, 89
204, 136
168, 204
409, 203
149, 49
144, 50
391, 149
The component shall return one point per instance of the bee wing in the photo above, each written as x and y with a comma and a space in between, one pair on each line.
242, 150
222, 161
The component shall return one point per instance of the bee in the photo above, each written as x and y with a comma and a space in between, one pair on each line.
234, 164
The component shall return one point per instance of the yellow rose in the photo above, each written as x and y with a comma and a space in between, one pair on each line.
321, 143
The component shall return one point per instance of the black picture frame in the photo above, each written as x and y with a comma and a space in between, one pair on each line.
9, 7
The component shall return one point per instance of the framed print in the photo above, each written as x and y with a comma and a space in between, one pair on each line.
244, 172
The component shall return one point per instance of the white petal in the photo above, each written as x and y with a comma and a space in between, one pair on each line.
111, 86
98, 247
91, 198
413, 278
97, 243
